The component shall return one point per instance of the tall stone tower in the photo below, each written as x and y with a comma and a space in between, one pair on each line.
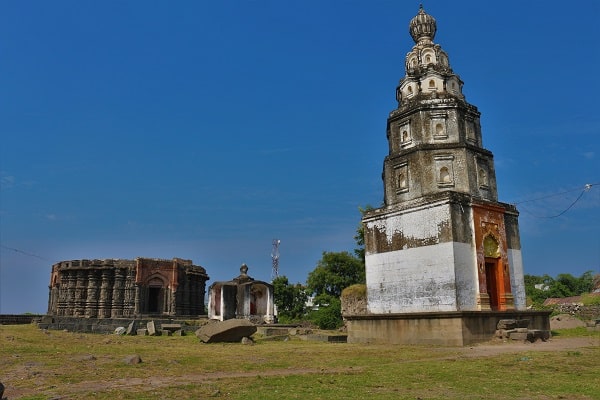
441, 242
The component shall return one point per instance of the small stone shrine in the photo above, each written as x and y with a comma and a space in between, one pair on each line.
115, 288
443, 255
241, 297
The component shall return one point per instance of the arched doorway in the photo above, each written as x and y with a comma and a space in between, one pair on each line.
156, 294
494, 277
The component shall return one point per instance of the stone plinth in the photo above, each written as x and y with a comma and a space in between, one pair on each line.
444, 328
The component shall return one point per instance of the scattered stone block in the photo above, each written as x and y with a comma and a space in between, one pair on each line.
509, 324
166, 332
536, 334
506, 324
501, 334
120, 330
132, 359
170, 327
131, 328
522, 336
142, 331
178, 332
247, 341
151, 328
231, 330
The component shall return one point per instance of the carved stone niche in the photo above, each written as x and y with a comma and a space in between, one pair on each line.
444, 170
401, 178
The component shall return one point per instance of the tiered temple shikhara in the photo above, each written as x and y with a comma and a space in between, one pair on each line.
443, 255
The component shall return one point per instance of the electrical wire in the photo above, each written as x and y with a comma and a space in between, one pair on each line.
587, 187
25, 253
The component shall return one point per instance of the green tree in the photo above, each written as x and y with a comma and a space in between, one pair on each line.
333, 273
596, 282
586, 282
290, 299
565, 285
329, 313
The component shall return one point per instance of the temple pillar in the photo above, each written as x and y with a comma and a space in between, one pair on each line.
70, 298
93, 290
118, 292
104, 304
136, 301
80, 293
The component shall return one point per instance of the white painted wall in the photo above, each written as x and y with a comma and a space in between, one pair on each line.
517, 278
432, 278
412, 280
467, 279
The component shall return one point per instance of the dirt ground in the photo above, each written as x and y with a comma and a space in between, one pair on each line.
500, 347
487, 349
565, 321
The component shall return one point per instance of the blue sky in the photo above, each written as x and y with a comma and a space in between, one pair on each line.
205, 129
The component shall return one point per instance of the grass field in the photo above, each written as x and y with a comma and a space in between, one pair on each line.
37, 364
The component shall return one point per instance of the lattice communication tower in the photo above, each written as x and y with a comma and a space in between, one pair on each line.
275, 257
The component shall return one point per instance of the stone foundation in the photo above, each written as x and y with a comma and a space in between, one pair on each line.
444, 328
108, 325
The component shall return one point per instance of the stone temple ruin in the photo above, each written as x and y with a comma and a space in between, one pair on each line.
107, 295
127, 288
443, 255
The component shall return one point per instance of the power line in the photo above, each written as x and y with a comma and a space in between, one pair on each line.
586, 188
25, 253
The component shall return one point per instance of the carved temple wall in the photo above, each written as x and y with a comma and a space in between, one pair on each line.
117, 288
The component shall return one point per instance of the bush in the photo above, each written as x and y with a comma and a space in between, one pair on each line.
357, 291
327, 316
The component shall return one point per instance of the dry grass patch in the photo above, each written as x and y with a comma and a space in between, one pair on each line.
41, 365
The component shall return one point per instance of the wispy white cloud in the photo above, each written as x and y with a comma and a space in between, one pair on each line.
589, 155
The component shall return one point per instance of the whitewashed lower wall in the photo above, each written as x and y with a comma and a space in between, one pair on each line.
517, 278
467, 279
433, 278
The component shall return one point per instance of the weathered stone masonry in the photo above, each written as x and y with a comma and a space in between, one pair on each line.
442, 242
115, 288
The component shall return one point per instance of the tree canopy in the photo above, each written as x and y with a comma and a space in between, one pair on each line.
335, 272
540, 288
290, 299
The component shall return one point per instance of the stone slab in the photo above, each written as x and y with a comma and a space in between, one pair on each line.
231, 330
518, 336
448, 329
170, 327
131, 328
151, 328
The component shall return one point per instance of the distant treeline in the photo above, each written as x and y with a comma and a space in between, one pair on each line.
540, 288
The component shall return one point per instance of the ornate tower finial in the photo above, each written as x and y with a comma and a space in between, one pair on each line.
422, 27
